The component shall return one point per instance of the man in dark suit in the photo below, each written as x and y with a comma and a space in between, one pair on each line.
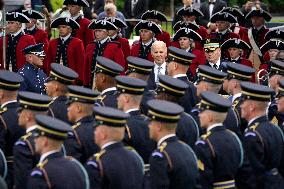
173, 164
209, 8
114, 166
25, 159
80, 142
133, 9
56, 87
159, 54
137, 132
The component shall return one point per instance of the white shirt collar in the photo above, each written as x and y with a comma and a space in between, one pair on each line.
213, 126
30, 128
108, 89
108, 144
223, 32
131, 110
217, 63
17, 33
104, 40
258, 28
253, 119
179, 75
148, 43
32, 28
236, 58
66, 37
235, 96
164, 138
75, 17
43, 156
8, 102
188, 49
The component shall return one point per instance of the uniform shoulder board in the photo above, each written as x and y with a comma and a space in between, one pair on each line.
254, 126
162, 146
205, 136
26, 136
76, 125
99, 154
2, 110
42, 164
117, 43
101, 97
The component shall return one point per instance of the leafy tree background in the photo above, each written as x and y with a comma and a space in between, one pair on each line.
275, 6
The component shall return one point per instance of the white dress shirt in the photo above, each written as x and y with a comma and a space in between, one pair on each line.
163, 68
217, 64
64, 39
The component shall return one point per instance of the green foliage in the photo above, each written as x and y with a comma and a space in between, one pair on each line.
120, 4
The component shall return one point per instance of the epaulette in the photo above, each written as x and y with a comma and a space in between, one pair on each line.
42, 164
205, 136
116, 42
130, 148
99, 154
254, 126
2, 110
101, 97
162, 146
235, 103
26, 136
76, 125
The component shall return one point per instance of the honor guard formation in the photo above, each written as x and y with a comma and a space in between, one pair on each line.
199, 106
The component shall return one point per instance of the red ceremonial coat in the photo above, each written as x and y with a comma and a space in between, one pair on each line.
111, 51
24, 41
75, 56
125, 48
165, 37
84, 33
202, 31
134, 51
